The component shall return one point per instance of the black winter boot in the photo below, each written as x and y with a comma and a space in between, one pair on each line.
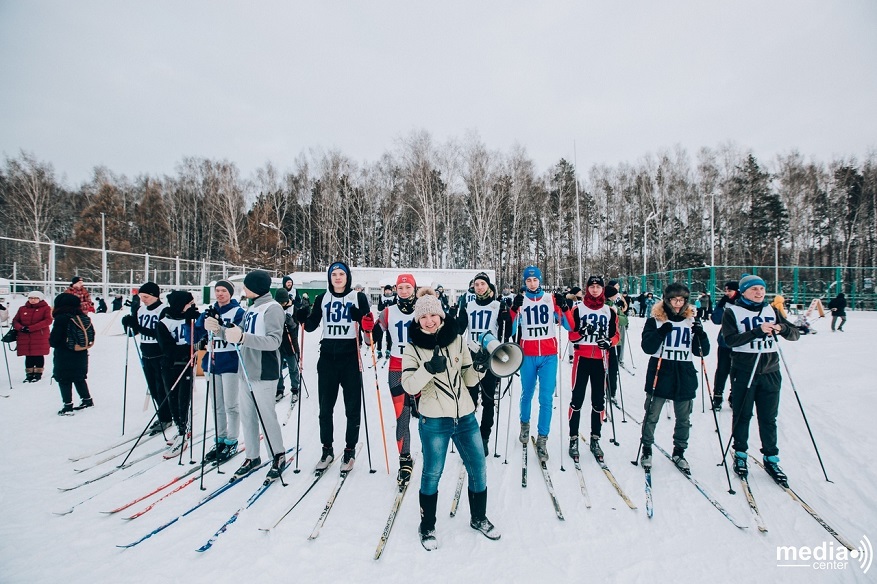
427, 521
67, 410
479, 520
86, 403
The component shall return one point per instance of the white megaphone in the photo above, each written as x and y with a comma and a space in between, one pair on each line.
505, 358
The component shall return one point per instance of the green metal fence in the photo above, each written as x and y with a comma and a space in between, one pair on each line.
798, 284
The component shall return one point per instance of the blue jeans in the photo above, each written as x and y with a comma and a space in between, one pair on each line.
545, 369
435, 433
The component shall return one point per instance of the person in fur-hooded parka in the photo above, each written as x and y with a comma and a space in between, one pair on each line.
673, 337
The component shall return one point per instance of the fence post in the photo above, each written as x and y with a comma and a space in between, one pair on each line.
839, 281
795, 293
146, 268
52, 268
178, 272
712, 281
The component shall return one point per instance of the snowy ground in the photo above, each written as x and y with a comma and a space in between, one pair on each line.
687, 540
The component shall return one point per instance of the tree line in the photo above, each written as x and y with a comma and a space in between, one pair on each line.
460, 204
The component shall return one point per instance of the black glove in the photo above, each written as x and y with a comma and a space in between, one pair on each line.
587, 328
720, 305
604, 343
354, 313
191, 313
438, 363
697, 328
25, 329
518, 301
560, 300
413, 403
301, 314
480, 361
665, 328
129, 321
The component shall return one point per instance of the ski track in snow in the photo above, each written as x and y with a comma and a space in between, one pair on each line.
687, 538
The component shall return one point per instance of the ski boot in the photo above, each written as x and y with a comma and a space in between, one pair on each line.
276, 469
231, 448
325, 460
246, 468
159, 427
406, 465
574, 448
348, 459
525, 433
646, 460
216, 452
542, 448
67, 410
717, 403
772, 466
680, 462
595, 448
740, 466
178, 446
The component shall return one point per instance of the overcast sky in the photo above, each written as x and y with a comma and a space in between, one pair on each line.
138, 86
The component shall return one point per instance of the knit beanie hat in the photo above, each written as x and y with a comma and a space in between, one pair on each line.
427, 303
258, 282
178, 299
150, 288
227, 285
610, 291
482, 276
282, 296
598, 280
406, 279
75, 279
732, 285
532, 272
35, 294
750, 280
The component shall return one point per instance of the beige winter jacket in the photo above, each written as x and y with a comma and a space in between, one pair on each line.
443, 395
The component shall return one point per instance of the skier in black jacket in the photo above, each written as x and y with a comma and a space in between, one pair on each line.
343, 312
750, 327
673, 337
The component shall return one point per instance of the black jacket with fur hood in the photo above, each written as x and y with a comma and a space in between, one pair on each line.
677, 380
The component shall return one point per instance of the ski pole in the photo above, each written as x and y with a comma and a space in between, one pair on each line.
378, 394
705, 376
747, 399
154, 415
606, 397
560, 392
800, 406
362, 392
125, 383
648, 409
271, 450
509, 422
191, 424
620, 391
630, 350
6, 358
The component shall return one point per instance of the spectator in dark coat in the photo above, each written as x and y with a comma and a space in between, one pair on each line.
32, 321
70, 366
838, 307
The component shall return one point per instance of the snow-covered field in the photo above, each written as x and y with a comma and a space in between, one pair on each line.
687, 540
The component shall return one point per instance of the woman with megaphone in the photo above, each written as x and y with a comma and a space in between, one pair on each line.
437, 367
